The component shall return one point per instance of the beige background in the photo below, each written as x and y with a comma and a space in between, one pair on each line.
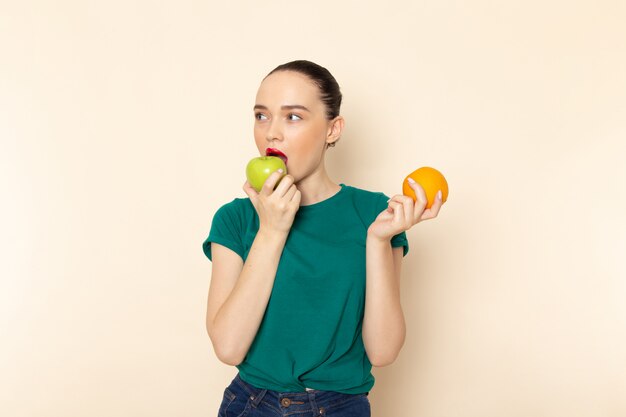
125, 124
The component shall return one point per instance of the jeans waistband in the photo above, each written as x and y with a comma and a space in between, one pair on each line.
294, 401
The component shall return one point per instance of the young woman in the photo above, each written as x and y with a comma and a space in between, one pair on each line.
305, 289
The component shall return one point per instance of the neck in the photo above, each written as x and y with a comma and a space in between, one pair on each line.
317, 187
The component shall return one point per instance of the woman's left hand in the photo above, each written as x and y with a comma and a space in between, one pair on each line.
403, 213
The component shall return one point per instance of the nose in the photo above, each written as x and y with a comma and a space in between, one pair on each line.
274, 131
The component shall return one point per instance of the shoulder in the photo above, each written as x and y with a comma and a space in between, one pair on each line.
228, 224
369, 203
366, 196
238, 209
237, 204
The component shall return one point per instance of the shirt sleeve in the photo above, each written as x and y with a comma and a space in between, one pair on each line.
225, 230
400, 239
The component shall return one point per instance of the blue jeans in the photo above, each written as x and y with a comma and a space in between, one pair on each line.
244, 400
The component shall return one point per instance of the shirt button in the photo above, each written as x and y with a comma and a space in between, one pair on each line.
286, 402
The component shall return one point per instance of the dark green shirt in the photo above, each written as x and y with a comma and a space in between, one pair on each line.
310, 336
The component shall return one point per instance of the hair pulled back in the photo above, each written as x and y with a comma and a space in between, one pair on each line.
328, 86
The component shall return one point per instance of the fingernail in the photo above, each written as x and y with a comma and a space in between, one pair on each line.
280, 170
411, 180
439, 195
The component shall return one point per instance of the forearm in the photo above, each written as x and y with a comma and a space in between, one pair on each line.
384, 328
237, 322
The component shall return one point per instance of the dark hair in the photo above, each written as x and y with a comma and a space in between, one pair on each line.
329, 89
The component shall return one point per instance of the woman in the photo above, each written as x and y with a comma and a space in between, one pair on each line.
304, 295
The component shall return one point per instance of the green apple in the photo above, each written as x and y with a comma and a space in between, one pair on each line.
261, 167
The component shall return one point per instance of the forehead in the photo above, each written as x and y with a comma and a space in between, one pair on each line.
288, 87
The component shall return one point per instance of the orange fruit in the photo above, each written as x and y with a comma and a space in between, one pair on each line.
431, 181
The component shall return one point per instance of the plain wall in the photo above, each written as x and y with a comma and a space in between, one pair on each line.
124, 125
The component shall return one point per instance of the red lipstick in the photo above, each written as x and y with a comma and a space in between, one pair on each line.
276, 152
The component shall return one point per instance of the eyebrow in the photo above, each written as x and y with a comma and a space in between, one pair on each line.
285, 107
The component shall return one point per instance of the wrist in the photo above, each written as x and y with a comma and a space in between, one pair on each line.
377, 240
271, 233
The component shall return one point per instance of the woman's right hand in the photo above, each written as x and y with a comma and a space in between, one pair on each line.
276, 207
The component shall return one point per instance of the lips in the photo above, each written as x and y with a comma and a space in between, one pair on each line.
276, 152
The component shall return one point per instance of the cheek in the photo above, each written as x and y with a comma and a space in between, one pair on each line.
310, 136
307, 152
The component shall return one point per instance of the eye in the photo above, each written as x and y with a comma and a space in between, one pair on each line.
260, 116
293, 117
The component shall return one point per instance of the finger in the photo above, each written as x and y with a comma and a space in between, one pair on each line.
249, 190
297, 197
426, 215
398, 212
418, 211
419, 191
434, 209
396, 207
290, 192
270, 182
400, 198
407, 205
420, 200
391, 204
284, 185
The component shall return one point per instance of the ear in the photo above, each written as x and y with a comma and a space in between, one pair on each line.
335, 128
